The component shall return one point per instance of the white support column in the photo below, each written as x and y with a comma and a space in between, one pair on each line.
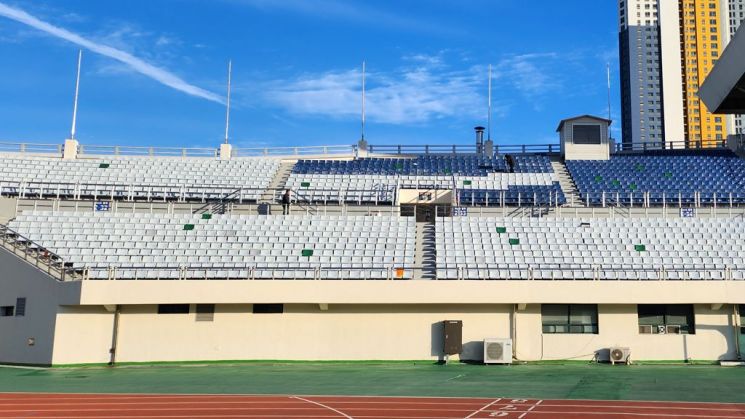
226, 151
70, 150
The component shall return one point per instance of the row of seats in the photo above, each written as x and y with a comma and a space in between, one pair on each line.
428, 165
541, 195
187, 178
423, 165
550, 248
706, 177
375, 180
218, 246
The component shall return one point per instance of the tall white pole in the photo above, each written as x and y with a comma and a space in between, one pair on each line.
488, 122
75, 103
227, 113
607, 66
363, 101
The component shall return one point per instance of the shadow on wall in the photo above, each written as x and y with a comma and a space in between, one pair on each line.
728, 332
438, 341
472, 351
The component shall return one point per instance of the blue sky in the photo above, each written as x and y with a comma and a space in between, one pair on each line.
154, 72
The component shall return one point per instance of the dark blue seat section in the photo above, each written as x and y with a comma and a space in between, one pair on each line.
425, 165
669, 176
532, 163
523, 195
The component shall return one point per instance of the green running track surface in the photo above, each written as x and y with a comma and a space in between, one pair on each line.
572, 381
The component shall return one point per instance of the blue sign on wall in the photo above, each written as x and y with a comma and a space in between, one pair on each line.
460, 211
688, 212
103, 206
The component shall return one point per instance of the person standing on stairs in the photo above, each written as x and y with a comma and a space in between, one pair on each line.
286, 200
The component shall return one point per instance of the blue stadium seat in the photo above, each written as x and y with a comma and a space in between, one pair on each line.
668, 176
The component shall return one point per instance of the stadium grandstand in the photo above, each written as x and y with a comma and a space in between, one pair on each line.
574, 250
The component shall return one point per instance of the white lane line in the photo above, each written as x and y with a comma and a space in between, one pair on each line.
530, 409
323, 405
482, 409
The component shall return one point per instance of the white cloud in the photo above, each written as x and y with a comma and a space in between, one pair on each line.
531, 74
350, 12
158, 74
402, 97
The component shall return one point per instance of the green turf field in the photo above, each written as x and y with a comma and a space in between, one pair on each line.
577, 381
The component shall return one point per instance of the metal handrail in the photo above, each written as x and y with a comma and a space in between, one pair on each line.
41, 256
31, 148
295, 151
404, 272
116, 150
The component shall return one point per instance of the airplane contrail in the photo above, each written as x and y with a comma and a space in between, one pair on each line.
158, 74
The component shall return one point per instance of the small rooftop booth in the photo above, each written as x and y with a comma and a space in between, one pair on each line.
584, 138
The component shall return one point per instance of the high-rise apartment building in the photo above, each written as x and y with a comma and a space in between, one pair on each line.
667, 48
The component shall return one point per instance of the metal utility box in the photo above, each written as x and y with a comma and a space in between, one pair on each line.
453, 337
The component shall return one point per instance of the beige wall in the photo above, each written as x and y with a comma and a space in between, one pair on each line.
83, 335
411, 196
573, 151
412, 292
369, 332
304, 332
7, 209
618, 326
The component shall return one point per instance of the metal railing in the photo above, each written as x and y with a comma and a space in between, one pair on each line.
349, 150
35, 254
31, 148
650, 146
445, 149
459, 273
679, 199
376, 197
122, 151
129, 192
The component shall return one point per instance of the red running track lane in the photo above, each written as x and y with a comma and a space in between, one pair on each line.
106, 406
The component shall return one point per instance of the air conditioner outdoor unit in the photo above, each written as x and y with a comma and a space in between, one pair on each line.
620, 354
497, 351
